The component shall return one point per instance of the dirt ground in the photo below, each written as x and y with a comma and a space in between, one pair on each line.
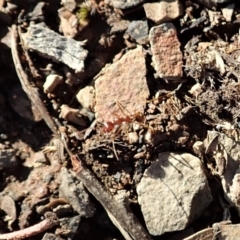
43, 128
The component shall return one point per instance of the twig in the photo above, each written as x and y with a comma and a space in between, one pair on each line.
34, 71
31, 91
50, 221
119, 212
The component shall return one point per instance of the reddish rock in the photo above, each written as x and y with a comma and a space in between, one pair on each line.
122, 87
167, 57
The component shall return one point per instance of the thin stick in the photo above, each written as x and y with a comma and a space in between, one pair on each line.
31, 91
50, 221
119, 212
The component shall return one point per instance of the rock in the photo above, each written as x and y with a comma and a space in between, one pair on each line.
52, 81
51, 236
86, 97
75, 193
68, 23
49, 44
167, 56
123, 4
198, 148
62, 210
228, 11
163, 11
69, 227
39, 159
72, 115
173, 192
138, 30
69, 4
9, 207
122, 87
132, 137
119, 26
8, 158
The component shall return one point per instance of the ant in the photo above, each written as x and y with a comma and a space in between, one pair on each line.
109, 126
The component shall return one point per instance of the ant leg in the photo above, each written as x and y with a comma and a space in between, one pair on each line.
122, 108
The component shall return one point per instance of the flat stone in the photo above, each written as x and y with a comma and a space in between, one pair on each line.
122, 87
165, 47
173, 192
52, 45
163, 11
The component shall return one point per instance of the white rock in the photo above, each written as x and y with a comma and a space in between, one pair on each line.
132, 137
52, 81
173, 192
72, 115
86, 97
228, 11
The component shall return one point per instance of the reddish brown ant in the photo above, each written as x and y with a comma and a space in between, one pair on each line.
109, 126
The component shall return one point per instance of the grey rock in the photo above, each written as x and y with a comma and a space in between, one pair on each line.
70, 226
138, 30
173, 192
52, 45
74, 192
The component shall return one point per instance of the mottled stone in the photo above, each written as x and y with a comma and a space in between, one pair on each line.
138, 30
122, 87
167, 56
163, 11
52, 45
173, 192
